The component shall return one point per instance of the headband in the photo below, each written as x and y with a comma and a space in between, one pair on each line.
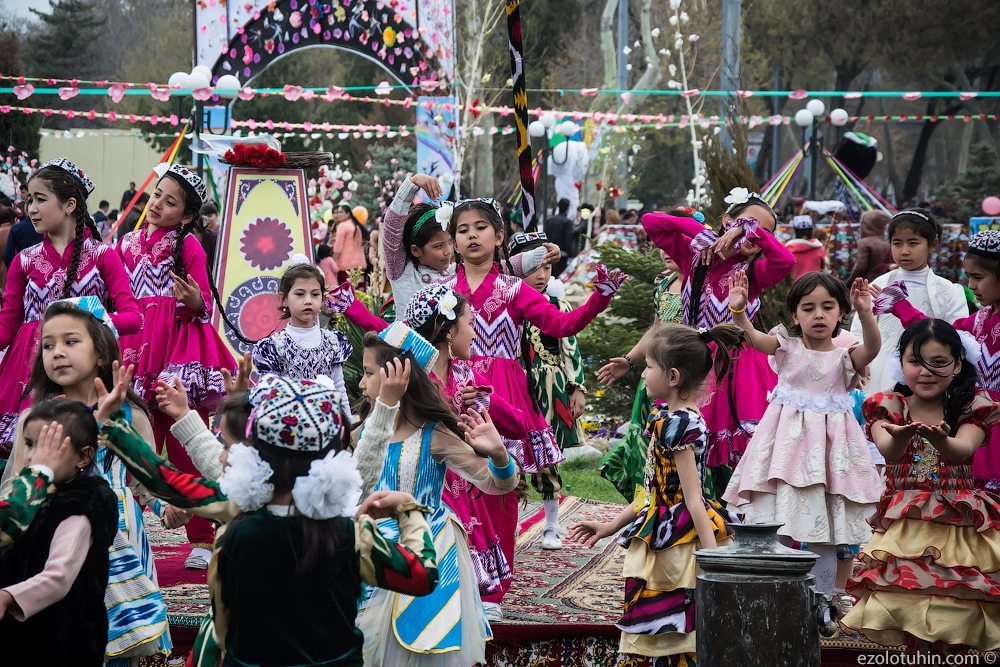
428, 301
70, 168
914, 212
482, 200
433, 213
406, 339
92, 305
189, 180
522, 239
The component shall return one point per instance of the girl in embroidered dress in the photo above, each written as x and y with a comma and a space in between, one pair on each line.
501, 304
670, 518
304, 350
808, 465
932, 567
169, 274
418, 249
913, 236
625, 465
707, 261
53, 579
70, 261
286, 498
982, 265
444, 319
76, 349
410, 452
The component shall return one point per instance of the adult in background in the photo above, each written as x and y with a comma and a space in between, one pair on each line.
349, 248
22, 235
127, 196
101, 217
810, 254
8, 216
128, 224
208, 234
874, 254
562, 231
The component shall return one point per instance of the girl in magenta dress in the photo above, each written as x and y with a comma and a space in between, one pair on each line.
982, 265
501, 303
70, 261
747, 245
167, 268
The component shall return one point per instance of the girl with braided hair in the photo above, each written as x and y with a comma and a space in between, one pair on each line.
708, 259
168, 270
71, 261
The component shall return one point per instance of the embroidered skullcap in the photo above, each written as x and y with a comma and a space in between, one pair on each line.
986, 244
406, 339
525, 241
802, 222
428, 302
297, 418
70, 167
92, 305
189, 180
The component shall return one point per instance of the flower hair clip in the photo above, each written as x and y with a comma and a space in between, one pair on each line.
443, 214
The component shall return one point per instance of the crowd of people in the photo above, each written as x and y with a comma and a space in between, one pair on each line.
384, 531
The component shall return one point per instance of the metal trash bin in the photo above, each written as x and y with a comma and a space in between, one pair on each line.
756, 603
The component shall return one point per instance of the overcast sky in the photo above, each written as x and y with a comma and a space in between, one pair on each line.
22, 6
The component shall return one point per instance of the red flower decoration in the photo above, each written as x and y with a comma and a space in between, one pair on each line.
258, 156
266, 243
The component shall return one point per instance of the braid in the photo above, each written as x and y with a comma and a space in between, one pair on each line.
697, 285
74, 263
179, 249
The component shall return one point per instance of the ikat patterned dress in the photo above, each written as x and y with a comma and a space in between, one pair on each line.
660, 569
932, 567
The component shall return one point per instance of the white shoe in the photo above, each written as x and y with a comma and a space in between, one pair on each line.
551, 540
493, 612
198, 559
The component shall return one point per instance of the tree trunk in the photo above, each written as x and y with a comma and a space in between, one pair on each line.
890, 156
916, 171
481, 174
608, 44
963, 156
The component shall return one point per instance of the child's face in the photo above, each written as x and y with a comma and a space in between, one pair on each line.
47, 213
72, 461
657, 379
228, 440
539, 279
982, 281
818, 314
371, 380
669, 261
303, 301
166, 206
68, 353
211, 219
438, 253
910, 250
475, 238
461, 339
766, 220
922, 382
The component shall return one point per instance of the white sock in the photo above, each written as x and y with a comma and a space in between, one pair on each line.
551, 512
825, 569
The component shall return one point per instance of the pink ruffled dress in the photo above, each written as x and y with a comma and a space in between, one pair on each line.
808, 465
172, 342
683, 239
36, 279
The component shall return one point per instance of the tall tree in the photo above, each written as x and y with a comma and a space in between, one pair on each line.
66, 47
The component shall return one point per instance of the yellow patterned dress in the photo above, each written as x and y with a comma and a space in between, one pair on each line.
625, 465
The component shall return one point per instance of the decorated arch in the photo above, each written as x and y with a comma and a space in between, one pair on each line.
413, 40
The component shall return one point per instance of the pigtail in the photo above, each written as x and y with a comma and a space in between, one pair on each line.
179, 249
728, 338
697, 285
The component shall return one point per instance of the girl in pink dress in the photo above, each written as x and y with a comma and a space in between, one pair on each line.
982, 265
167, 268
707, 262
808, 465
501, 303
445, 320
70, 261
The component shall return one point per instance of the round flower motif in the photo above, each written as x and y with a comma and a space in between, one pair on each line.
266, 243
821, 402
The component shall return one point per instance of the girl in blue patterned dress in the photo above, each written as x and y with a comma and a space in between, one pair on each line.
76, 347
303, 350
671, 518
410, 438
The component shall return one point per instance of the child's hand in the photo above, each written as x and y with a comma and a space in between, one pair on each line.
428, 184
861, 298
482, 434
902, 434
469, 394
590, 533
382, 504
395, 378
874, 290
936, 434
739, 290
723, 244
51, 447
174, 517
110, 402
577, 403
189, 293
240, 383
171, 398
7, 603
615, 369
552, 254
